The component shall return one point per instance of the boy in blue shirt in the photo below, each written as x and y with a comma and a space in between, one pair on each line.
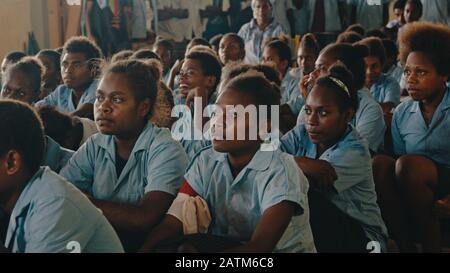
79, 65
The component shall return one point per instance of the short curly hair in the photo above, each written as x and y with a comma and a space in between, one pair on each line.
431, 39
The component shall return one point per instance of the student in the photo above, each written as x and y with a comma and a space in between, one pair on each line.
255, 197
399, 19
392, 66
368, 120
278, 54
164, 49
436, 11
52, 77
231, 49
259, 30
358, 28
344, 214
68, 131
131, 169
144, 54
47, 213
215, 42
413, 11
414, 189
11, 58
78, 70
368, 15
22, 80
384, 89
23, 83
307, 54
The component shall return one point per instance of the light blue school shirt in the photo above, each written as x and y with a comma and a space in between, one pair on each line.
255, 39
354, 191
290, 90
56, 157
62, 98
157, 163
396, 72
368, 14
412, 136
301, 17
237, 204
436, 11
368, 120
386, 89
51, 213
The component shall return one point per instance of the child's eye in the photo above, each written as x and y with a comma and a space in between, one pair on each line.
308, 111
407, 73
99, 98
117, 100
421, 73
323, 113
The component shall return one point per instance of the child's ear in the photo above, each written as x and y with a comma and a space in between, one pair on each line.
13, 162
210, 82
349, 115
145, 108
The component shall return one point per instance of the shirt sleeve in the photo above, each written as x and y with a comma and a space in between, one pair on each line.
397, 141
79, 170
371, 126
291, 142
166, 168
50, 100
54, 225
393, 92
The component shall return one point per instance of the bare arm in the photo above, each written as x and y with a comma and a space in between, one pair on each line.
169, 228
269, 230
137, 218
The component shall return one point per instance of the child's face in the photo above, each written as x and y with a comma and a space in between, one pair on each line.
324, 121
270, 56
116, 110
422, 79
398, 13
192, 76
75, 71
232, 124
16, 86
323, 63
52, 76
374, 68
164, 55
230, 50
5, 64
411, 13
305, 60
262, 10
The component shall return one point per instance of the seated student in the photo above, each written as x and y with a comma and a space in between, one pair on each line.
52, 77
368, 119
414, 190
131, 169
413, 11
173, 81
23, 83
78, 70
231, 49
392, 67
144, 54
383, 88
345, 216
257, 198
68, 131
349, 37
307, 54
47, 213
358, 28
215, 42
368, 15
164, 49
10, 59
399, 20
278, 54
259, 30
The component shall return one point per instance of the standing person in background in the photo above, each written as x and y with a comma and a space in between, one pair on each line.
240, 14
217, 18
283, 14
259, 30
327, 15
436, 11
301, 17
368, 14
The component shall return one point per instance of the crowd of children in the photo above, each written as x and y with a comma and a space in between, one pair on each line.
358, 133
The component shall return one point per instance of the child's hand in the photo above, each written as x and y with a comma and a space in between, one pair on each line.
442, 208
306, 84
